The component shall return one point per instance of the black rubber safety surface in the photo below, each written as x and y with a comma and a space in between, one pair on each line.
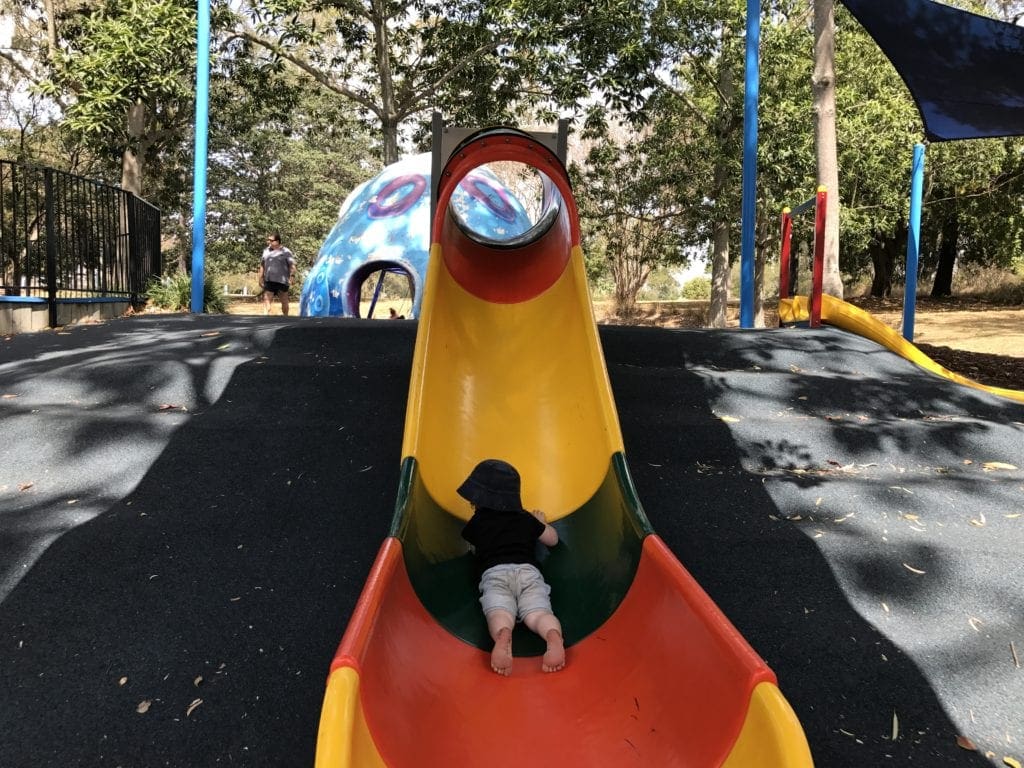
189, 507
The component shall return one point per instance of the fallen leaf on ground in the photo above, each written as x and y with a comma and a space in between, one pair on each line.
1011, 762
122, 681
980, 521
197, 681
964, 743
211, 333
144, 706
9, 397
192, 706
912, 569
991, 466
975, 623
895, 726
24, 486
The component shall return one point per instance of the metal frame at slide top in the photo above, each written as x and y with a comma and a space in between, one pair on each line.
508, 364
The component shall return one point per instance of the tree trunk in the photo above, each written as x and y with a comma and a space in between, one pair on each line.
718, 314
823, 83
132, 160
389, 112
881, 282
943, 285
761, 246
390, 131
184, 264
759, 260
718, 310
884, 251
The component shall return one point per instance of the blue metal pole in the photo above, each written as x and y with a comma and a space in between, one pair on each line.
913, 242
199, 172
749, 164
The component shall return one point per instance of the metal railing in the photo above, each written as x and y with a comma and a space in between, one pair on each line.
68, 239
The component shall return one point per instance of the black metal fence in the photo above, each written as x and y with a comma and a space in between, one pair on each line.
68, 239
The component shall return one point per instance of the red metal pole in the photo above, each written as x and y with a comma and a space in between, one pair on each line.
787, 236
819, 256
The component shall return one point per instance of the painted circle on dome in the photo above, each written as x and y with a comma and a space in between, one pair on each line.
495, 198
403, 202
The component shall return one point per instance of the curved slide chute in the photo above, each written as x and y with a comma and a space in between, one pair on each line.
855, 320
508, 365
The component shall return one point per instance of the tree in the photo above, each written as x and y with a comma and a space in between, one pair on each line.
823, 83
283, 162
477, 61
623, 198
696, 119
119, 66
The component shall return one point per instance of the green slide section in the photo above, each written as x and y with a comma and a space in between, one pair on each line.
589, 571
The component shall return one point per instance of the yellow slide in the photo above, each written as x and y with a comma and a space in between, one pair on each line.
508, 365
854, 319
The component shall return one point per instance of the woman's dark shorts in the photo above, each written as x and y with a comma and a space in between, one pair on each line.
275, 288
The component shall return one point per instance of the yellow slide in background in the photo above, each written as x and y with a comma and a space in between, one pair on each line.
854, 319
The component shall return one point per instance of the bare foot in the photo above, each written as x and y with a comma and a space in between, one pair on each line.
501, 655
554, 656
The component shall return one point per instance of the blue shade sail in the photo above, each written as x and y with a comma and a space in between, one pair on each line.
964, 71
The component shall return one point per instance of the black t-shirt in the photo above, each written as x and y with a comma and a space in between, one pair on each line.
503, 537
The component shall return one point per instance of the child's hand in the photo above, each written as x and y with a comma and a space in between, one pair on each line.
539, 515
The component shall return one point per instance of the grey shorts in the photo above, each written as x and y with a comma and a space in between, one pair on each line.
518, 588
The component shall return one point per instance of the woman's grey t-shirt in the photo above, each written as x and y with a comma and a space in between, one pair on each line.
277, 264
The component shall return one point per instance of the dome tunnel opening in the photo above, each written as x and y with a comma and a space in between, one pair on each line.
382, 290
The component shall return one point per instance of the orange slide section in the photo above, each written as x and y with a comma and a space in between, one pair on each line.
508, 365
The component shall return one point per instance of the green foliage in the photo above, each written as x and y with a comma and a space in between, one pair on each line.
118, 54
285, 164
660, 286
697, 288
174, 293
288, 143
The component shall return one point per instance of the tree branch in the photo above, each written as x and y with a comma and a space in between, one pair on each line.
29, 75
311, 70
410, 103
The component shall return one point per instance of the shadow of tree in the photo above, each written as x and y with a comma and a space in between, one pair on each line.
218, 587
767, 462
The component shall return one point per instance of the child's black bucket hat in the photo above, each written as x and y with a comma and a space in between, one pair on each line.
493, 484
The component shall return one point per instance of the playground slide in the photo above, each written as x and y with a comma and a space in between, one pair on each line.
854, 319
508, 365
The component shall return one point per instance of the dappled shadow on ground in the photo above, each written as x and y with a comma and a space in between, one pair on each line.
788, 471
214, 593
215, 578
